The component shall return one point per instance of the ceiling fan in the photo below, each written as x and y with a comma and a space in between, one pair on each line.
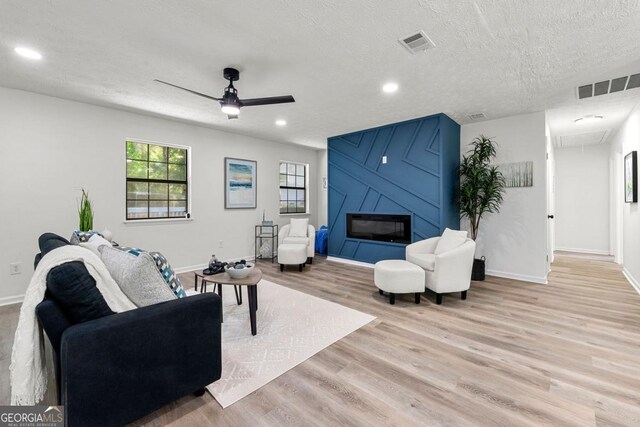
230, 102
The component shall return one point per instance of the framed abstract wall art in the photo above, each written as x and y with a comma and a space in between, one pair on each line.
518, 174
240, 179
631, 177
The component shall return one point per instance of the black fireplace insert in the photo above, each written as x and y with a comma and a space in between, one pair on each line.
380, 227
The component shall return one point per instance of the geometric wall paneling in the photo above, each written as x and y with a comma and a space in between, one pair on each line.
418, 179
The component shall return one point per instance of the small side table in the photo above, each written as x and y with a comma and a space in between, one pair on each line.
250, 282
215, 279
266, 232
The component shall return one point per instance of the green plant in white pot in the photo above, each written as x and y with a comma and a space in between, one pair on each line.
482, 188
85, 212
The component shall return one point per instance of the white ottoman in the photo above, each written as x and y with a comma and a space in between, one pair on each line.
397, 276
292, 254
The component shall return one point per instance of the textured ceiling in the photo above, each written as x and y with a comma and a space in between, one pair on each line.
500, 57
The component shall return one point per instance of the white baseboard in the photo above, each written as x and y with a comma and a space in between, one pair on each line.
631, 279
203, 266
582, 251
15, 299
522, 277
515, 276
190, 268
350, 261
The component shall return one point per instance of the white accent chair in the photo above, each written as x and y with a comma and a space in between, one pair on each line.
446, 272
309, 240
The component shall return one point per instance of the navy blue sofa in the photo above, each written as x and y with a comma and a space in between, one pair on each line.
113, 370
116, 369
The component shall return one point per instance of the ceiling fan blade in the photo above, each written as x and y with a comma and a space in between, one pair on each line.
266, 101
188, 90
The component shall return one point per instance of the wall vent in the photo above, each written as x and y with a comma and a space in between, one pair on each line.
418, 42
609, 86
477, 116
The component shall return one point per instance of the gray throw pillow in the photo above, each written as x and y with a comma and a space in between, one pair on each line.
137, 276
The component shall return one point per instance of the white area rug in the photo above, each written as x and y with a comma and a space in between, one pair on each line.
292, 326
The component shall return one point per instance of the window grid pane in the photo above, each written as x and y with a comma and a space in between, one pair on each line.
292, 187
157, 181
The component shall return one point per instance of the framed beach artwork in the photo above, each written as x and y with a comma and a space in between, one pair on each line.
240, 183
631, 177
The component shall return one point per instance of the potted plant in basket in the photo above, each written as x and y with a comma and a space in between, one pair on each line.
482, 186
85, 212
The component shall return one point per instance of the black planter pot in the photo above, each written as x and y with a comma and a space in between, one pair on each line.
477, 273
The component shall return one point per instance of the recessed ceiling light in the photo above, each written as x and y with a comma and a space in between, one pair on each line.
281, 122
28, 53
588, 119
390, 87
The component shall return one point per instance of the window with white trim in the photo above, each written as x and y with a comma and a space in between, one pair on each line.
157, 181
293, 188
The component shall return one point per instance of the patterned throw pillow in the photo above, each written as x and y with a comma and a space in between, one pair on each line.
82, 236
164, 268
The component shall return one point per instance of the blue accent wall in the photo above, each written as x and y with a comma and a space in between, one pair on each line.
419, 179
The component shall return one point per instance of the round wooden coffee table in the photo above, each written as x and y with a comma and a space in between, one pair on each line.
251, 282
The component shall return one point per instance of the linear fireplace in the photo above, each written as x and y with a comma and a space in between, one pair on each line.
380, 227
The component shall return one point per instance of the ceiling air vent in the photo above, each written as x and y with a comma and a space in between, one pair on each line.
601, 88
634, 81
618, 84
609, 86
418, 42
477, 116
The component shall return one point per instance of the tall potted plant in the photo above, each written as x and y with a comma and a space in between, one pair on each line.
85, 212
482, 186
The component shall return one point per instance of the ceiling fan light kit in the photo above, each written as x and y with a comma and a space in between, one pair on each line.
230, 109
230, 103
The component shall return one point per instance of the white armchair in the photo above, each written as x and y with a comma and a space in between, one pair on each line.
309, 241
446, 272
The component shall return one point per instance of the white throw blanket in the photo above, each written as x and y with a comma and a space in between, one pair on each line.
28, 371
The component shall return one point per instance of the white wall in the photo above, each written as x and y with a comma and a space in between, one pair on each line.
322, 212
582, 199
514, 241
50, 148
625, 140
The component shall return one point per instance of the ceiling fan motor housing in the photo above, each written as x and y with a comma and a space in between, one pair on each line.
231, 74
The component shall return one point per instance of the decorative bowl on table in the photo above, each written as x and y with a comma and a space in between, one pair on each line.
236, 272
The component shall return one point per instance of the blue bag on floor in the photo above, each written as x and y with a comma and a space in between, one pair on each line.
321, 240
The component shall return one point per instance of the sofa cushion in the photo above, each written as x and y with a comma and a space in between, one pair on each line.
298, 227
450, 239
137, 276
296, 241
50, 241
426, 261
74, 289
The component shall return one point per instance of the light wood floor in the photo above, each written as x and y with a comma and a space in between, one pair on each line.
513, 353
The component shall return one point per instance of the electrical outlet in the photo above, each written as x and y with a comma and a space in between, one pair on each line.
15, 268
220, 244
